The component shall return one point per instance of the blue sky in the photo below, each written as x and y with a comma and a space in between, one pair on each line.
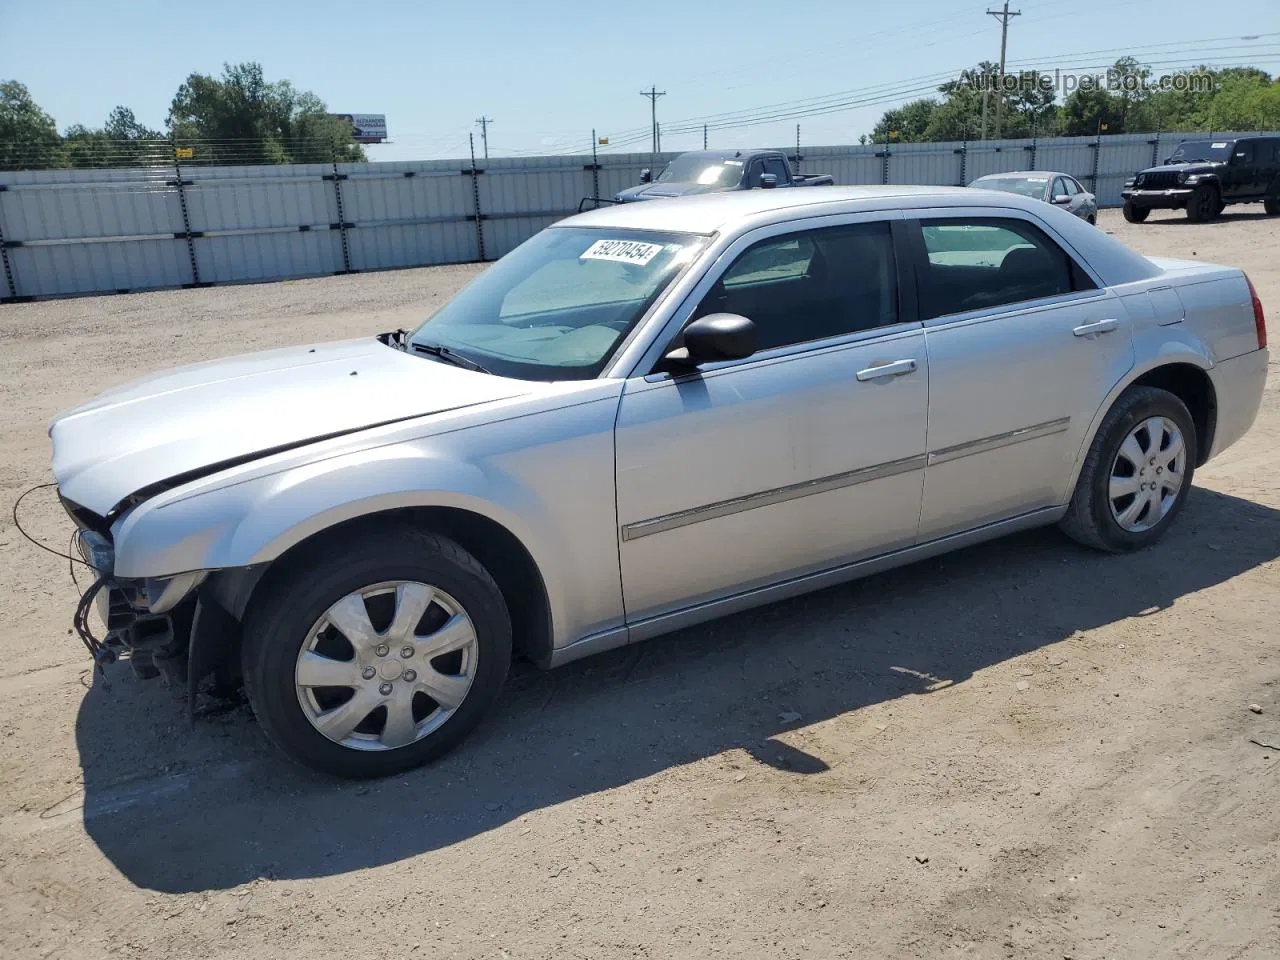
549, 71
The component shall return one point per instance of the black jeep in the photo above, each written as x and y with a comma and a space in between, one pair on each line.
1203, 176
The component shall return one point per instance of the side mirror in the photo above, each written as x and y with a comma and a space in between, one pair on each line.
646, 175
768, 181
1062, 198
715, 337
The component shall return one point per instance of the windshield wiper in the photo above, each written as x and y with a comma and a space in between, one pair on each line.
450, 356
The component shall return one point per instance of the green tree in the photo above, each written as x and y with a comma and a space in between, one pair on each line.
240, 117
1124, 100
1087, 109
28, 136
1246, 101
121, 141
1030, 111
907, 123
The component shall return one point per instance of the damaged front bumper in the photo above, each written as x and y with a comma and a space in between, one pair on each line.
148, 620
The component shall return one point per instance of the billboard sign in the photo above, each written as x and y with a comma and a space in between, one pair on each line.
369, 127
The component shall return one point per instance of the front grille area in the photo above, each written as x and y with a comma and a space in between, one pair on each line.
1160, 180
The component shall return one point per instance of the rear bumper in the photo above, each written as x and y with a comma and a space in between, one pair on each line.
1171, 198
1238, 384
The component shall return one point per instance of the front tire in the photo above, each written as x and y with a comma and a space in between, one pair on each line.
1204, 204
1272, 205
1136, 214
379, 655
1136, 475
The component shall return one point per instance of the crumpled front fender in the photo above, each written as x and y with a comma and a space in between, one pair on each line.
256, 521
547, 478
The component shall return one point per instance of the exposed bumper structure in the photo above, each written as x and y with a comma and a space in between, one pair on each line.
140, 617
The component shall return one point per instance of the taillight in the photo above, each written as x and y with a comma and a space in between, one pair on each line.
1259, 321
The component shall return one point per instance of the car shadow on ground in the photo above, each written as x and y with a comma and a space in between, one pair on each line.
179, 809
1178, 218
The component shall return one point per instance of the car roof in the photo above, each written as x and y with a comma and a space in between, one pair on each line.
1025, 174
707, 213
746, 210
734, 154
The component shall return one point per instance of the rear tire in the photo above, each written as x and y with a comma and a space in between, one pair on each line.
1135, 214
1204, 204
306, 618
1104, 513
1272, 205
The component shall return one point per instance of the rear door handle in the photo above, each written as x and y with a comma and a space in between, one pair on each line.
1098, 326
895, 369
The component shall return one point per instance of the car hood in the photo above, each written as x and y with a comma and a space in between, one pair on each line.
1200, 166
657, 191
196, 417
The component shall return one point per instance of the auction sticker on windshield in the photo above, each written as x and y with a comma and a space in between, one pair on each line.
623, 251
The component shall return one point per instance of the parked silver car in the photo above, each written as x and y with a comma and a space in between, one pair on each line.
644, 417
1060, 189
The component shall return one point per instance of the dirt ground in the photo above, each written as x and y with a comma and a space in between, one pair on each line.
1023, 750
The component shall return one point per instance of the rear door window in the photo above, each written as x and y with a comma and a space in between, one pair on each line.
973, 263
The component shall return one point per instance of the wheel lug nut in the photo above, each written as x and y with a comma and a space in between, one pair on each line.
382, 650
368, 673
411, 675
384, 689
406, 652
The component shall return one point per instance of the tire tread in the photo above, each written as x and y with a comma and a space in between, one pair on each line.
269, 612
1081, 522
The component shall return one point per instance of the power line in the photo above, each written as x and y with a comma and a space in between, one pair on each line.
839, 101
653, 94
850, 99
1004, 16
484, 133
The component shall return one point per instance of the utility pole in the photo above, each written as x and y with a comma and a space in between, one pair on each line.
653, 94
483, 123
1004, 16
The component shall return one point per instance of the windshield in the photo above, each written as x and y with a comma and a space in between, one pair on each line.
1026, 186
700, 170
557, 306
1200, 150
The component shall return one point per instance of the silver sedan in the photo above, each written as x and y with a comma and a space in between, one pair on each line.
1060, 189
642, 418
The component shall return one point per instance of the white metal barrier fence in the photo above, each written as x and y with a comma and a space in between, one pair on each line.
65, 232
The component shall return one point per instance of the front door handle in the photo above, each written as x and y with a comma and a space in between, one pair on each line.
895, 369
1098, 326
